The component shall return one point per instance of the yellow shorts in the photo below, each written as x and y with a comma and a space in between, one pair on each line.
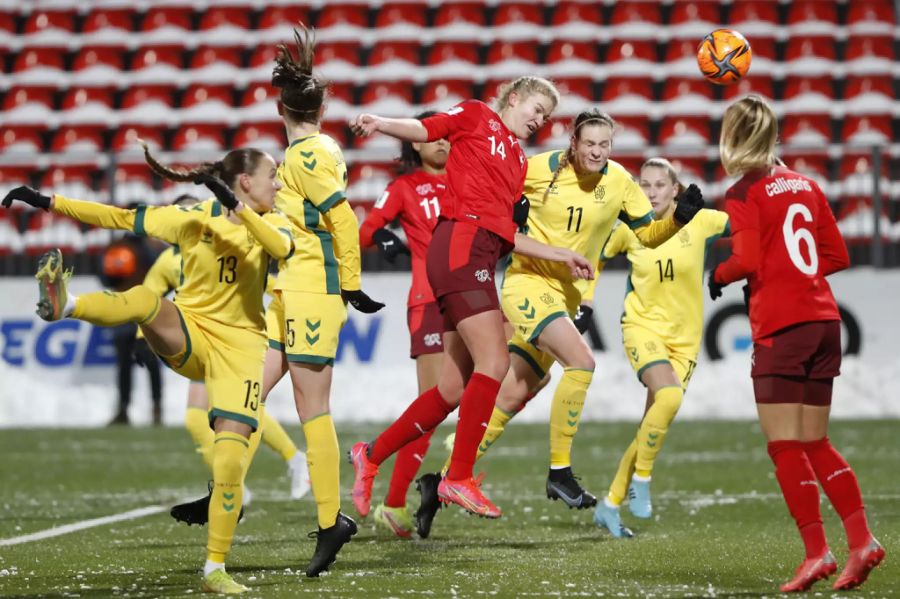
530, 304
645, 348
306, 326
229, 360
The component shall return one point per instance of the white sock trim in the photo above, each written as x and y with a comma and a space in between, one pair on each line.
640, 479
210, 566
70, 305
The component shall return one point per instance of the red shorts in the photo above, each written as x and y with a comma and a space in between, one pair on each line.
426, 325
810, 350
461, 263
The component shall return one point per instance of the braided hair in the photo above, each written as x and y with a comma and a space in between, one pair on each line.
409, 160
235, 162
302, 94
585, 117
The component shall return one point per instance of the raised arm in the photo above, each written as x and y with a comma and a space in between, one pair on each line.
403, 129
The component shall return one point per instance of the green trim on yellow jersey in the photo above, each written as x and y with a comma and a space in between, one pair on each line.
241, 441
216, 209
276, 345
301, 140
139, 214
216, 413
291, 237
528, 360
634, 224
188, 348
308, 359
330, 201
543, 324
640, 372
329, 261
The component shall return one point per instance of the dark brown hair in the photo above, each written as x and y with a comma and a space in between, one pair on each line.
235, 162
409, 159
302, 94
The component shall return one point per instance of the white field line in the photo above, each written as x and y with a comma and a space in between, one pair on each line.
84, 524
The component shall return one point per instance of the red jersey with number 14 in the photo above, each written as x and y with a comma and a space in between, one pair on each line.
418, 199
799, 243
486, 168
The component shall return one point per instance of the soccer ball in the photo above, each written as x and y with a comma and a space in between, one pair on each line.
724, 56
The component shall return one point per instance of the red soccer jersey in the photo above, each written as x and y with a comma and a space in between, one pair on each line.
486, 168
418, 198
799, 243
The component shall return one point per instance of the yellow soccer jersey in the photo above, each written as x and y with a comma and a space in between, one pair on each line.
165, 274
665, 286
579, 214
314, 176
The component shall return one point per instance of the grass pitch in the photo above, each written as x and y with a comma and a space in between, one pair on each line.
720, 527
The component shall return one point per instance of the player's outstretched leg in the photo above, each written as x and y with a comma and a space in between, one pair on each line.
606, 515
429, 504
328, 542
52, 286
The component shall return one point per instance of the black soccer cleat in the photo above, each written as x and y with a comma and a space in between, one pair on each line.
427, 486
328, 542
197, 511
562, 484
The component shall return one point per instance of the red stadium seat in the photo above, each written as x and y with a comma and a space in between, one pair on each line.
867, 94
266, 136
367, 182
632, 132
857, 174
46, 230
687, 95
867, 130
396, 54
88, 105
690, 169
104, 19
815, 166
259, 92
869, 54
806, 130
684, 131
554, 134
199, 136
283, 16
96, 65
224, 58
808, 14
79, 139
818, 47
570, 12
511, 58
148, 103
871, 16
29, 104
446, 93
628, 95
518, 20
403, 14
202, 96
134, 183
8, 23
176, 18
226, 17
698, 12
337, 130
40, 65
751, 14
149, 57
636, 19
22, 139
341, 91
631, 50
573, 57
41, 21
452, 59
263, 58
805, 94
462, 15
343, 15
681, 58
576, 95
757, 84
396, 93
126, 136
348, 52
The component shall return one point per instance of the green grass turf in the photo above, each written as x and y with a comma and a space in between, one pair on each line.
720, 527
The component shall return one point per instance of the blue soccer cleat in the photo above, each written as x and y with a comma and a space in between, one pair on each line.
607, 516
639, 498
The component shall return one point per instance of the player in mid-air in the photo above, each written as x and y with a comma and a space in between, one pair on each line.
661, 330
576, 196
785, 242
415, 198
486, 171
215, 331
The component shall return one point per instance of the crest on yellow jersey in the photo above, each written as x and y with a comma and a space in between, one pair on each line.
547, 299
684, 237
206, 236
599, 193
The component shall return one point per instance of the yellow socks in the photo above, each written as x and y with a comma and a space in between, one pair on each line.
277, 438
498, 422
107, 308
324, 461
653, 429
229, 451
619, 486
253, 445
196, 422
565, 413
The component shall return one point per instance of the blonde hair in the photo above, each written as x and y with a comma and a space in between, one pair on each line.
586, 117
749, 135
526, 86
659, 162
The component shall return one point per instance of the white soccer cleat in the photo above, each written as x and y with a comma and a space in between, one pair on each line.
299, 473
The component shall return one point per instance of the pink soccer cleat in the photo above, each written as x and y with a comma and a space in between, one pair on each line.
467, 494
365, 475
859, 564
810, 572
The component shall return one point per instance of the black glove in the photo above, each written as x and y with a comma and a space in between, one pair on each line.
222, 192
30, 196
390, 245
142, 354
689, 203
746, 290
520, 211
582, 318
362, 302
715, 288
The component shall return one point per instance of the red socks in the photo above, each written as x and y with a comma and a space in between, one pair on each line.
801, 493
423, 415
409, 458
475, 410
840, 485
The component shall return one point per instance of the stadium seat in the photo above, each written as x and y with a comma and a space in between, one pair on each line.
338, 60
869, 54
554, 134
857, 174
391, 98
807, 94
757, 84
632, 133
687, 95
441, 95
813, 165
98, 65
12, 176
401, 20
10, 238
577, 94
806, 130
125, 138
39, 66
29, 104
511, 58
167, 25
216, 64
690, 169
134, 183
22, 140
636, 19
874, 16
681, 58
367, 180
258, 101
391, 57
204, 102
573, 21
276, 22
812, 17
684, 132
266, 136
572, 58
343, 22
108, 25
693, 18
753, 16
236, 19
83, 104
157, 64
867, 94
627, 95
72, 180
628, 57
452, 59
459, 20
81, 140
46, 230
151, 103
810, 56
867, 130
199, 136
47, 23
517, 21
